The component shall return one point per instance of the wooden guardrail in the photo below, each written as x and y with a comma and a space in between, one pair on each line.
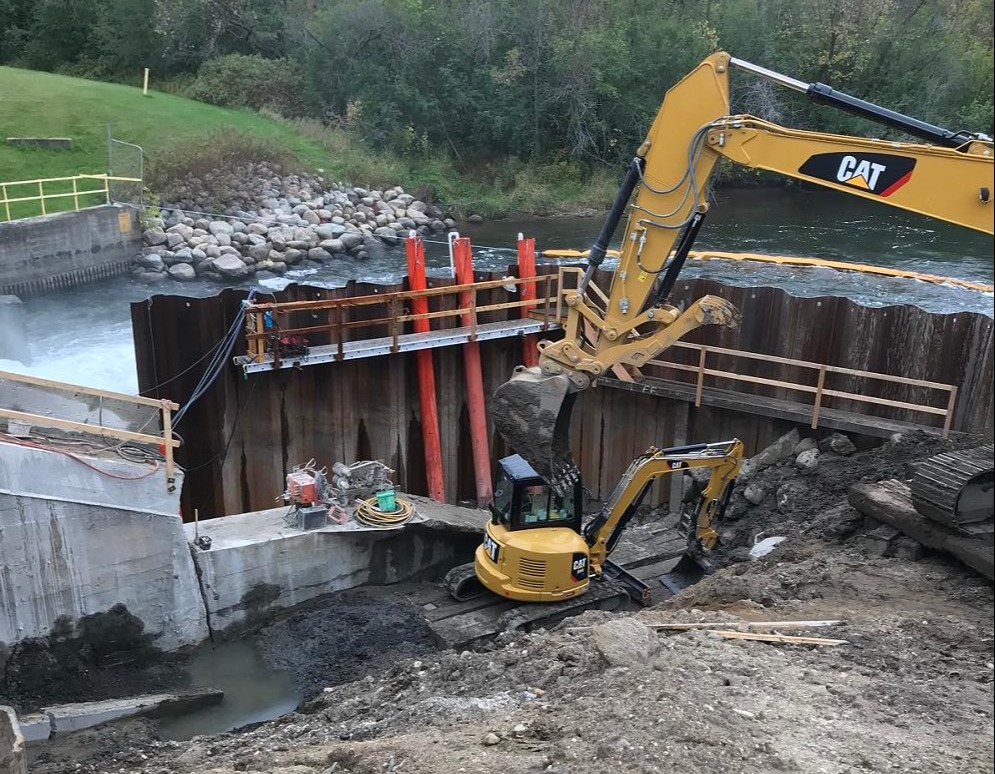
263, 333
818, 390
68, 188
166, 442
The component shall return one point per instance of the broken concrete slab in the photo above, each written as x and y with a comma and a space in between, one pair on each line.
67, 718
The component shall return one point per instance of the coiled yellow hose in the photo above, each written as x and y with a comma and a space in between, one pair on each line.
369, 514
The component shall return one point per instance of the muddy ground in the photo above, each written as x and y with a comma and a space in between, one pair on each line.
910, 691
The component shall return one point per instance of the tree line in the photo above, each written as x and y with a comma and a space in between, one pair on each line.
540, 80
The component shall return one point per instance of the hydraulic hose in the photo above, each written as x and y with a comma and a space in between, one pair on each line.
369, 514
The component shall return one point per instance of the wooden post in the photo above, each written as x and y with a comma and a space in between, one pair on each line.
949, 417
41, 196
701, 377
75, 196
167, 434
463, 256
145, 83
527, 292
818, 396
415, 249
6, 199
339, 338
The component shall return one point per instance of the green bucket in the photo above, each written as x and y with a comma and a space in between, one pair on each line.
386, 501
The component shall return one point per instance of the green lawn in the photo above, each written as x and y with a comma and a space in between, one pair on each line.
41, 104
45, 105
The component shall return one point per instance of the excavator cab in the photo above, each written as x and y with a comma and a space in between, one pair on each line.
523, 499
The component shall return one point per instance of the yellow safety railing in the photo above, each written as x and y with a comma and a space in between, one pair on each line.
30, 197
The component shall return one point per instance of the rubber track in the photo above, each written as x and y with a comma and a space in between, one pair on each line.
939, 481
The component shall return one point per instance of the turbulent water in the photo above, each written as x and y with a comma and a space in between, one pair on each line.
84, 335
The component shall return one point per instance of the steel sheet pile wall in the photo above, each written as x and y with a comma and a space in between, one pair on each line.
245, 433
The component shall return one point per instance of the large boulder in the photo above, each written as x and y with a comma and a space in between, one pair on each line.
316, 254
230, 266
155, 236
330, 231
182, 229
182, 272
624, 642
781, 449
150, 261
351, 239
838, 444
218, 227
259, 252
387, 235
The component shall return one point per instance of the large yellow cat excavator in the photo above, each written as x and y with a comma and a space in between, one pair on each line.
947, 177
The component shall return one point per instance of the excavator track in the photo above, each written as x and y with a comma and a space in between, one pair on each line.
462, 583
955, 489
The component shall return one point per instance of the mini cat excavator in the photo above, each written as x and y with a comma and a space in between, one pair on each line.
950, 177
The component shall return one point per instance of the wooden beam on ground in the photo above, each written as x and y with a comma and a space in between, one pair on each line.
786, 639
890, 502
745, 625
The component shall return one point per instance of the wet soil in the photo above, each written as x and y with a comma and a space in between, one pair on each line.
345, 636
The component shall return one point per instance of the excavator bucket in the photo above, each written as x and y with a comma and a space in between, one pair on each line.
532, 412
686, 572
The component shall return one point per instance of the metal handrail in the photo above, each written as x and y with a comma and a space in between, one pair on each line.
41, 197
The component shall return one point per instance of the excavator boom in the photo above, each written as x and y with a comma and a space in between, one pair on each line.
950, 179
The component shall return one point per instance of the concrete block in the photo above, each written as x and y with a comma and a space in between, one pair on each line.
76, 542
879, 540
67, 249
35, 727
13, 758
67, 718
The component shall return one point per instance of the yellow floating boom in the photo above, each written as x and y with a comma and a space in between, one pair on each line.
789, 260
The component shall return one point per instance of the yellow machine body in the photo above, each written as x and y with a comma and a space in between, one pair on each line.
547, 564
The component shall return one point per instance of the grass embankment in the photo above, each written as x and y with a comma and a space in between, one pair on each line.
179, 134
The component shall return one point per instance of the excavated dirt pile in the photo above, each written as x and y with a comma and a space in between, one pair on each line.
911, 690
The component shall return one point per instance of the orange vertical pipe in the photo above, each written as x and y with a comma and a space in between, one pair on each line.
463, 258
527, 268
415, 249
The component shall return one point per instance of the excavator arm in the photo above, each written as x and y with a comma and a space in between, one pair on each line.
950, 179
724, 459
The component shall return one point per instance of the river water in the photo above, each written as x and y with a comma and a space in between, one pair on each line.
84, 335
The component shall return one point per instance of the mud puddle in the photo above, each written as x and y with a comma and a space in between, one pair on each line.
254, 692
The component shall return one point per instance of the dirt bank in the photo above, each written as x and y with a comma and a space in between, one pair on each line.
343, 637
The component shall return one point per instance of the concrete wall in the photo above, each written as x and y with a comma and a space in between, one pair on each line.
77, 407
67, 249
12, 757
256, 565
74, 542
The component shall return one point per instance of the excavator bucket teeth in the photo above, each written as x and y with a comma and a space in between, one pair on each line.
532, 412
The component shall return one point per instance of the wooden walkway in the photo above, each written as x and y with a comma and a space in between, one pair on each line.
844, 421
405, 342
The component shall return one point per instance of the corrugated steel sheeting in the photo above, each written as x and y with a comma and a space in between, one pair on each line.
244, 433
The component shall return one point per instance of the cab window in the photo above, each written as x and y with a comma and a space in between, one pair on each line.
540, 505
501, 504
